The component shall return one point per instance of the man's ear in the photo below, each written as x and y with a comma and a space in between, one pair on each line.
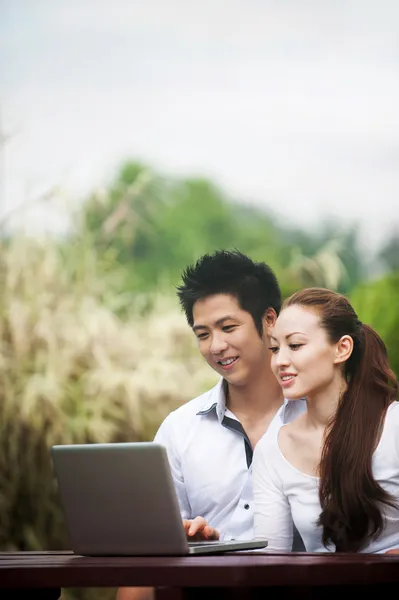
343, 349
269, 321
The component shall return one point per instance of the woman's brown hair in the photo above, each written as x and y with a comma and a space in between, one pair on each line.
350, 497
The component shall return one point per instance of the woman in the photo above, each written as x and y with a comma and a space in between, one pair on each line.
334, 471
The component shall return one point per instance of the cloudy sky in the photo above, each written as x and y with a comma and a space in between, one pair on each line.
288, 103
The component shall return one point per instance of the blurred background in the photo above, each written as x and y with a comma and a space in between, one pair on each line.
136, 136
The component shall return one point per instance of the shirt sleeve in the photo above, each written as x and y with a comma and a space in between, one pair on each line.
272, 512
167, 438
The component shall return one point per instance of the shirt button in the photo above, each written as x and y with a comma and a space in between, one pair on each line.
246, 506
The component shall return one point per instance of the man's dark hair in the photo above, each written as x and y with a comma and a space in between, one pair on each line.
252, 284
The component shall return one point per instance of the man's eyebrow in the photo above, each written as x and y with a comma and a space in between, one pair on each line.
223, 319
198, 327
217, 323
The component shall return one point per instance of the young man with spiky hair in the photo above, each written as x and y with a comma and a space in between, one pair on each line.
231, 303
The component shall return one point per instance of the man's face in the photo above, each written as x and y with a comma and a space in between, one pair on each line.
228, 339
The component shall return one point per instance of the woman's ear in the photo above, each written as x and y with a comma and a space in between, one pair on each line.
343, 349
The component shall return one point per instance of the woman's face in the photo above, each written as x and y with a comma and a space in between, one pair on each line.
304, 360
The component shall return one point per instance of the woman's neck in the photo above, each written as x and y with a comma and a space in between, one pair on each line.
323, 404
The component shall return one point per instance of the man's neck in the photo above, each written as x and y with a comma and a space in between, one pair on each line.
262, 396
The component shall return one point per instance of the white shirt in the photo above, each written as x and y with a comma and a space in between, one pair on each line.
211, 461
283, 493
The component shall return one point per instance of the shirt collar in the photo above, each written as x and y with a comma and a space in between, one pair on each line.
291, 409
216, 402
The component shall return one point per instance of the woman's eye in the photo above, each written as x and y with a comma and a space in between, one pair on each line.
202, 336
295, 346
273, 349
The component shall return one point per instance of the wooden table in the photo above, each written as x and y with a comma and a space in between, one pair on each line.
235, 575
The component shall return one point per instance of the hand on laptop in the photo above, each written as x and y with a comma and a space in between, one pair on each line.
198, 530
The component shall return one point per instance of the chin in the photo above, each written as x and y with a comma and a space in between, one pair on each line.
291, 395
236, 379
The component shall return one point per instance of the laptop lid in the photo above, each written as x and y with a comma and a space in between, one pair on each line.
119, 499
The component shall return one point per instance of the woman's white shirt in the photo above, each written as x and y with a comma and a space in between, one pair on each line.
283, 494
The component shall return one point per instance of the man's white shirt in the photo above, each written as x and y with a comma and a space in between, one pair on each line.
210, 458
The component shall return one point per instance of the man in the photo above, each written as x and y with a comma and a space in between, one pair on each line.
231, 303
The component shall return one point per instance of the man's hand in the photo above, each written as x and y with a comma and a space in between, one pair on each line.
198, 530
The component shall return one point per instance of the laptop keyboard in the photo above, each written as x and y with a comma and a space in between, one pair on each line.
209, 543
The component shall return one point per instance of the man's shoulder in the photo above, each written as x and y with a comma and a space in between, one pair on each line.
179, 427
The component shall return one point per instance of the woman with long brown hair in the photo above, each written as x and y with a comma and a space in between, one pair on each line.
334, 471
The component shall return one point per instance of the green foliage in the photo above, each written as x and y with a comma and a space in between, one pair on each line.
377, 305
331, 257
389, 255
152, 227
162, 225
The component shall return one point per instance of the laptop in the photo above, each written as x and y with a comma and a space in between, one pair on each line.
120, 500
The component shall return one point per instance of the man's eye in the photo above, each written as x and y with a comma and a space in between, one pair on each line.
295, 346
228, 328
202, 336
273, 349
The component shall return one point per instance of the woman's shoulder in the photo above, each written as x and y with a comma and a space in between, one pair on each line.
390, 433
391, 424
392, 415
293, 432
268, 444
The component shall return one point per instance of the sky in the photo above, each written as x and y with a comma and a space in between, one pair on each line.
288, 104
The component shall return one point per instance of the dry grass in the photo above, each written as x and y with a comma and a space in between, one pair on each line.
71, 371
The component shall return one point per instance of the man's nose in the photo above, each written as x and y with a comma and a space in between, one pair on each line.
218, 345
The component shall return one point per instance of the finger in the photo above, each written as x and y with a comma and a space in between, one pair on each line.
197, 525
210, 533
186, 525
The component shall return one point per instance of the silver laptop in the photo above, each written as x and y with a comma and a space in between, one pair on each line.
119, 499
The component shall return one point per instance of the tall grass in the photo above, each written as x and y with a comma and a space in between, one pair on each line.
72, 371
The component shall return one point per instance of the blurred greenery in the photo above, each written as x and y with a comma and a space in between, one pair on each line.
150, 221
93, 346
376, 303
